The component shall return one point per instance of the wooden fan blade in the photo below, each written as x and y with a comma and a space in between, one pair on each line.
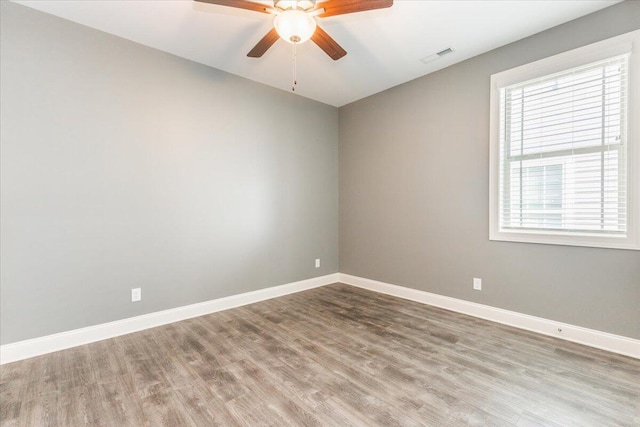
329, 45
264, 44
239, 4
340, 7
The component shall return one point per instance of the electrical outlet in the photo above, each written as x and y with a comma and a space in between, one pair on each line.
318, 263
477, 284
136, 294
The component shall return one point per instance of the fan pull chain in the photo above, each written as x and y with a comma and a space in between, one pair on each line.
293, 60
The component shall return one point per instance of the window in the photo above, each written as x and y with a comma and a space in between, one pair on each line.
565, 148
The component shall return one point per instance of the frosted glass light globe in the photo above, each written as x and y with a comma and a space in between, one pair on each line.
295, 26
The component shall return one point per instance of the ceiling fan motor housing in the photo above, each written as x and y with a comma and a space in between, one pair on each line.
294, 4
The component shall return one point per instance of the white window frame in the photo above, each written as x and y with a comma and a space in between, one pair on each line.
626, 43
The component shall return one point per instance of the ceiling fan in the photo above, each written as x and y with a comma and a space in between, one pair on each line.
295, 21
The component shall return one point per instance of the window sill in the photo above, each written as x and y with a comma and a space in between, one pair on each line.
566, 239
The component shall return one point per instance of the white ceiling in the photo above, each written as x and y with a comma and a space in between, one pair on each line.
384, 46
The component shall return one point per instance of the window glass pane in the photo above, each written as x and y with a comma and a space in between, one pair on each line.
536, 195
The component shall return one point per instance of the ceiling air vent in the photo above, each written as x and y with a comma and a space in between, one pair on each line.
438, 55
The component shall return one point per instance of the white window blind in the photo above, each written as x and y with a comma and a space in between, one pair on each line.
563, 151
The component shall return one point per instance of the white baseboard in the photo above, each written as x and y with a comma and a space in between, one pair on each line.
602, 340
50, 343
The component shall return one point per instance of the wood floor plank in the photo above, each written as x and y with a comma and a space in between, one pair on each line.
335, 355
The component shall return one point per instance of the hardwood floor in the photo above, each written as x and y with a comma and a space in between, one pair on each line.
335, 355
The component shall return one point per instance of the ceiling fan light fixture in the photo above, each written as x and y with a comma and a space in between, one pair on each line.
295, 26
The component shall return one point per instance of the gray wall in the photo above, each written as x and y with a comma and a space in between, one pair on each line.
414, 207
122, 166
125, 167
